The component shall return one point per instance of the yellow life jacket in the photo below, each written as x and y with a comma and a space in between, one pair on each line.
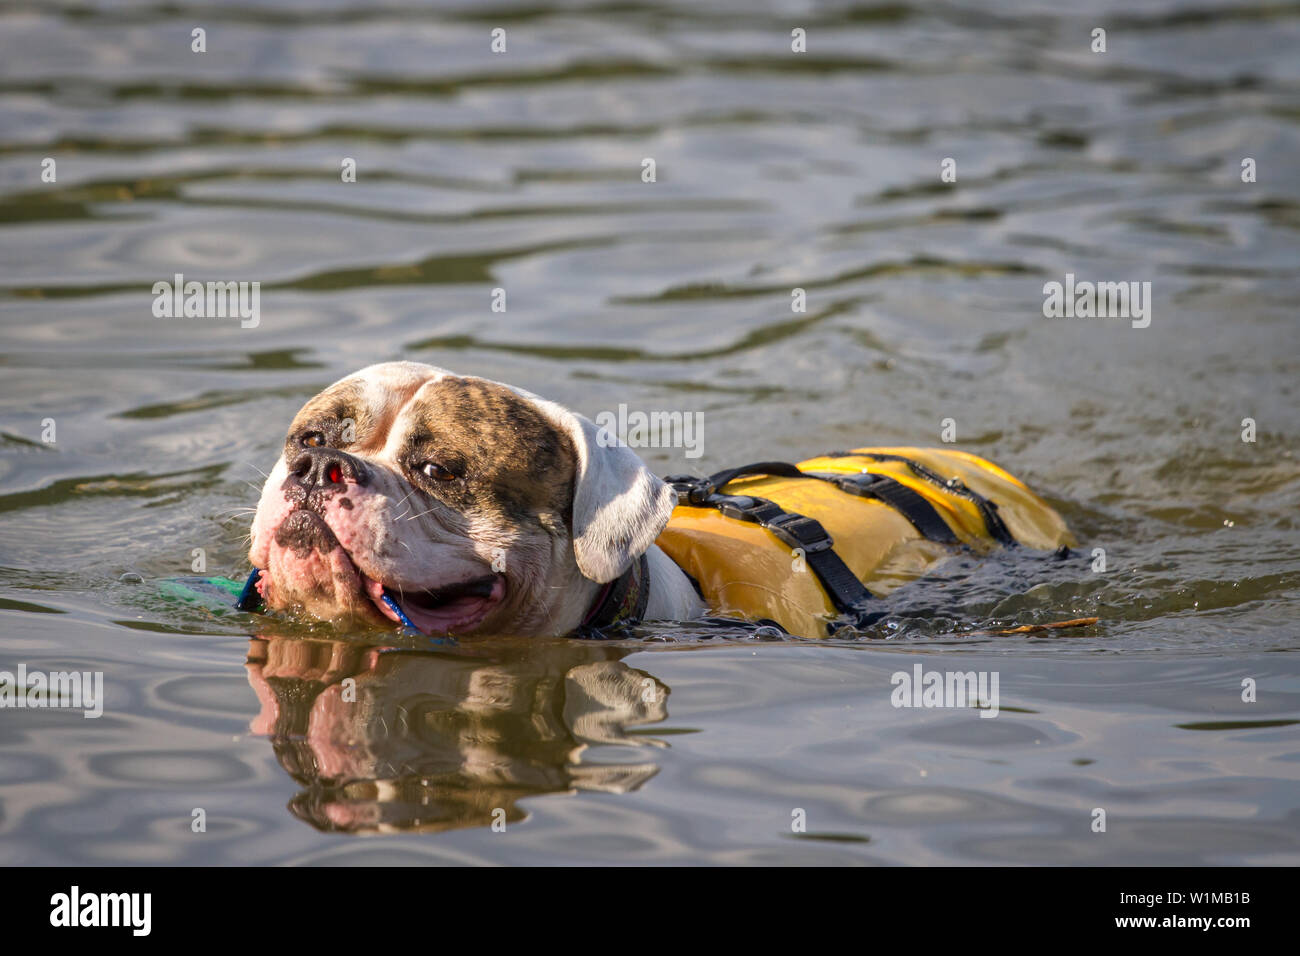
890, 515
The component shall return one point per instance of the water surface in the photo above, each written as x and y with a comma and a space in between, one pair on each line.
774, 171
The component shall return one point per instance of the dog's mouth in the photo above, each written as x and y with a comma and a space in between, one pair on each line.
446, 609
455, 607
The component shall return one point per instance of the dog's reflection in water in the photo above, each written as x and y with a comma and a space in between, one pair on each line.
387, 739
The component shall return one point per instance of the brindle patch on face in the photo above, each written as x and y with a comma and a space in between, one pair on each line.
329, 413
352, 415
510, 461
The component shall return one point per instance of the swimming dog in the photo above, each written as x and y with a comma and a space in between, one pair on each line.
452, 504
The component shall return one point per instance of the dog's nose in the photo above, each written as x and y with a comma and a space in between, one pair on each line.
322, 468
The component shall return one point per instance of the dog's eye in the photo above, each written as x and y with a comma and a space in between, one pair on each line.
431, 469
313, 440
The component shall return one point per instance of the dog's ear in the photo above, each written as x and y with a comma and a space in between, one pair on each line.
619, 505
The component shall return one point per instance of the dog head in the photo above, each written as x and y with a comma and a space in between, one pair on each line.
478, 507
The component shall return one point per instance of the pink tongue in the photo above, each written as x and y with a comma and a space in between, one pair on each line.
459, 614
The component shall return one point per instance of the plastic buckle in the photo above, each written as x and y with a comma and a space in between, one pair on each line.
800, 531
690, 489
861, 484
747, 508
698, 495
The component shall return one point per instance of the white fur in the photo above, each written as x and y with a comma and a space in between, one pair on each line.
672, 597
619, 509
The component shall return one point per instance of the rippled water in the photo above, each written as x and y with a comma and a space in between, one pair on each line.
774, 170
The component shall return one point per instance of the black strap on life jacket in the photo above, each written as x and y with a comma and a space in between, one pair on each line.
897, 495
847, 594
988, 510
